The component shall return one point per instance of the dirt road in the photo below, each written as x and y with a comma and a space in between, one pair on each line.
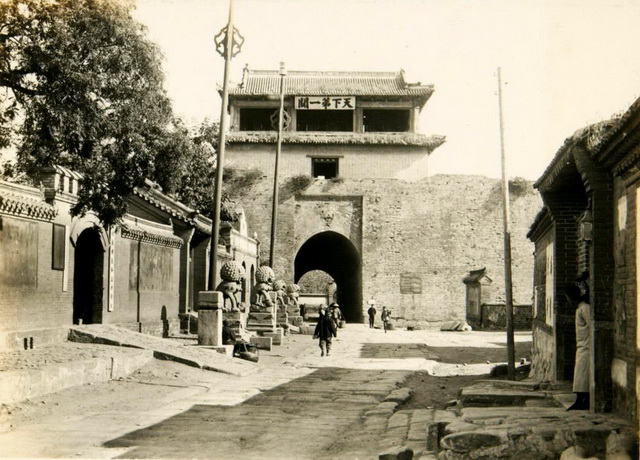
296, 404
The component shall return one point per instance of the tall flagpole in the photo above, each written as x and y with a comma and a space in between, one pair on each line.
228, 48
274, 207
511, 368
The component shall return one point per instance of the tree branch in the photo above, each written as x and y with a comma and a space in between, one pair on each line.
4, 81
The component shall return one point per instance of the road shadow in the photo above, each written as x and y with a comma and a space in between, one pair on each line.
298, 419
452, 355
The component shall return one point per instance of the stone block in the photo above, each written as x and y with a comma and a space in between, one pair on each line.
263, 343
210, 327
467, 441
210, 300
399, 395
398, 420
262, 317
397, 453
277, 335
306, 330
226, 350
434, 433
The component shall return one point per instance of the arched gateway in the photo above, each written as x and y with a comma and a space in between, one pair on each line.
336, 255
88, 277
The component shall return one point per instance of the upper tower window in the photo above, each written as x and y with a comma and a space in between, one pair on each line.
326, 120
385, 120
256, 119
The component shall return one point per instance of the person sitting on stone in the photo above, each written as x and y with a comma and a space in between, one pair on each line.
229, 338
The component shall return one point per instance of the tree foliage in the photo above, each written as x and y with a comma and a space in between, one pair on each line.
81, 86
186, 167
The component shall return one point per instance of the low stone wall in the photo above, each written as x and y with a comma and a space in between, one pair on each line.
19, 385
35, 338
493, 316
542, 353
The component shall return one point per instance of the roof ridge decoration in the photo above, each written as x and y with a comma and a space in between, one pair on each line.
325, 73
590, 137
133, 232
174, 208
17, 205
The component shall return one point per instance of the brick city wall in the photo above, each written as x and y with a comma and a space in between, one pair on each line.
436, 230
494, 316
355, 162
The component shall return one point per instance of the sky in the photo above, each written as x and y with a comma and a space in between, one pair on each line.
564, 64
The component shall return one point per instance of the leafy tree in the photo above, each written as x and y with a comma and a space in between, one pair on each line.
185, 169
82, 86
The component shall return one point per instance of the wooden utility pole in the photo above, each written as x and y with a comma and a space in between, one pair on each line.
511, 358
274, 207
225, 47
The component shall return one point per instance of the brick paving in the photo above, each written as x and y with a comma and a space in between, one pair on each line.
316, 416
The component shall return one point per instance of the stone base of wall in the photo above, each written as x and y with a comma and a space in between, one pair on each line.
35, 338
493, 316
160, 328
542, 355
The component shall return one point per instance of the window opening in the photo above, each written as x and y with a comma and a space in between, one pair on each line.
324, 120
385, 120
256, 119
324, 167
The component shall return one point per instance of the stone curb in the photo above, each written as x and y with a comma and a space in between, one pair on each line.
162, 349
16, 386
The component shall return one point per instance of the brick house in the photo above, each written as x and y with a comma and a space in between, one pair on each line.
143, 274
589, 225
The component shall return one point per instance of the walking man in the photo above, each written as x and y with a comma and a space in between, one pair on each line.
324, 331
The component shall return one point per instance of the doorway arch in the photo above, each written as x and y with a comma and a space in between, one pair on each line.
336, 255
88, 277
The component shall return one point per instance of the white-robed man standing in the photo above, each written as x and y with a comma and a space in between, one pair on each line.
582, 369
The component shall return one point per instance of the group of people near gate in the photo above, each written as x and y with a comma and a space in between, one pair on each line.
385, 316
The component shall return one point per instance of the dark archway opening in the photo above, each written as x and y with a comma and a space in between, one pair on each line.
567, 200
337, 256
88, 278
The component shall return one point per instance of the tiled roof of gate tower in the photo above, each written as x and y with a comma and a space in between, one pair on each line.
303, 83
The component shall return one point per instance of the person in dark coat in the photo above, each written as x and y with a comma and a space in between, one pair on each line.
372, 316
385, 316
229, 338
325, 330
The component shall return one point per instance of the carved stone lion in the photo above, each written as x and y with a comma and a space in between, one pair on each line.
231, 274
